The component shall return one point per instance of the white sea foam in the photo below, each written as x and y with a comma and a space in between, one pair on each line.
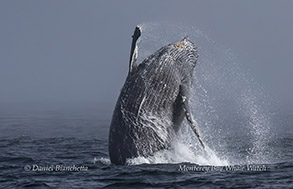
185, 148
102, 160
180, 153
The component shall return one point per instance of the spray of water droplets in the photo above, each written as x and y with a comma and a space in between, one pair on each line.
229, 108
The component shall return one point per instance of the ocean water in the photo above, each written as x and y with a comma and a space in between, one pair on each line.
36, 139
248, 137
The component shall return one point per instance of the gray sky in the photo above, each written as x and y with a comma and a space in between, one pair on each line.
79, 50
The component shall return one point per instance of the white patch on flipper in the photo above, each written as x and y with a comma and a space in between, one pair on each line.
183, 98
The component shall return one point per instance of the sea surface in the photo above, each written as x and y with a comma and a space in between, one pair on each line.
65, 146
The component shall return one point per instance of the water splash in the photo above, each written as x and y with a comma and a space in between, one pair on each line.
180, 152
226, 104
102, 160
185, 148
230, 109
259, 128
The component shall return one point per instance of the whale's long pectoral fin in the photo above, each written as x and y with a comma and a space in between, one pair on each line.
134, 49
188, 114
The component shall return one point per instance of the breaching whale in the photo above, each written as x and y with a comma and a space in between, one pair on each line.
153, 101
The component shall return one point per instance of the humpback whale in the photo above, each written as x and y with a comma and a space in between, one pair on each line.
153, 101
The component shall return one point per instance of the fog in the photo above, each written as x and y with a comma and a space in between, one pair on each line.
78, 51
